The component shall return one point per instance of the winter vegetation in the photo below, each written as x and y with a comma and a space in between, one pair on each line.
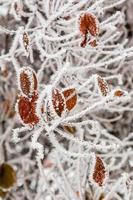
66, 109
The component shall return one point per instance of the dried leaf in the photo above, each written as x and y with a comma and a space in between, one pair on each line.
70, 97
88, 24
84, 42
27, 81
70, 129
26, 41
58, 101
7, 176
118, 93
103, 86
98, 172
27, 110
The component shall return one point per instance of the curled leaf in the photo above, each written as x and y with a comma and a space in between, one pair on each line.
70, 97
118, 93
88, 24
7, 176
27, 81
61, 101
27, 110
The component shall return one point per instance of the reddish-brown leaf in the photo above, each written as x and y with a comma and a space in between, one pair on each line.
118, 93
99, 173
70, 97
27, 110
89, 24
28, 81
58, 101
84, 41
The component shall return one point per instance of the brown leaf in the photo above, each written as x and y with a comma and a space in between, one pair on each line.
89, 24
99, 173
27, 110
28, 81
103, 86
26, 41
70, 97
7, 176
58, 101
70, 129
118, 93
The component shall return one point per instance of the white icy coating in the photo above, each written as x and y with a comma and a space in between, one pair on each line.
29, 72
103, 125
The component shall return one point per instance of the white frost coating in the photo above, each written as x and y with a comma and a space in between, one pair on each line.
97, 24
29, 72
103, 125
104, 88
92, 164
15, 134
36, 145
